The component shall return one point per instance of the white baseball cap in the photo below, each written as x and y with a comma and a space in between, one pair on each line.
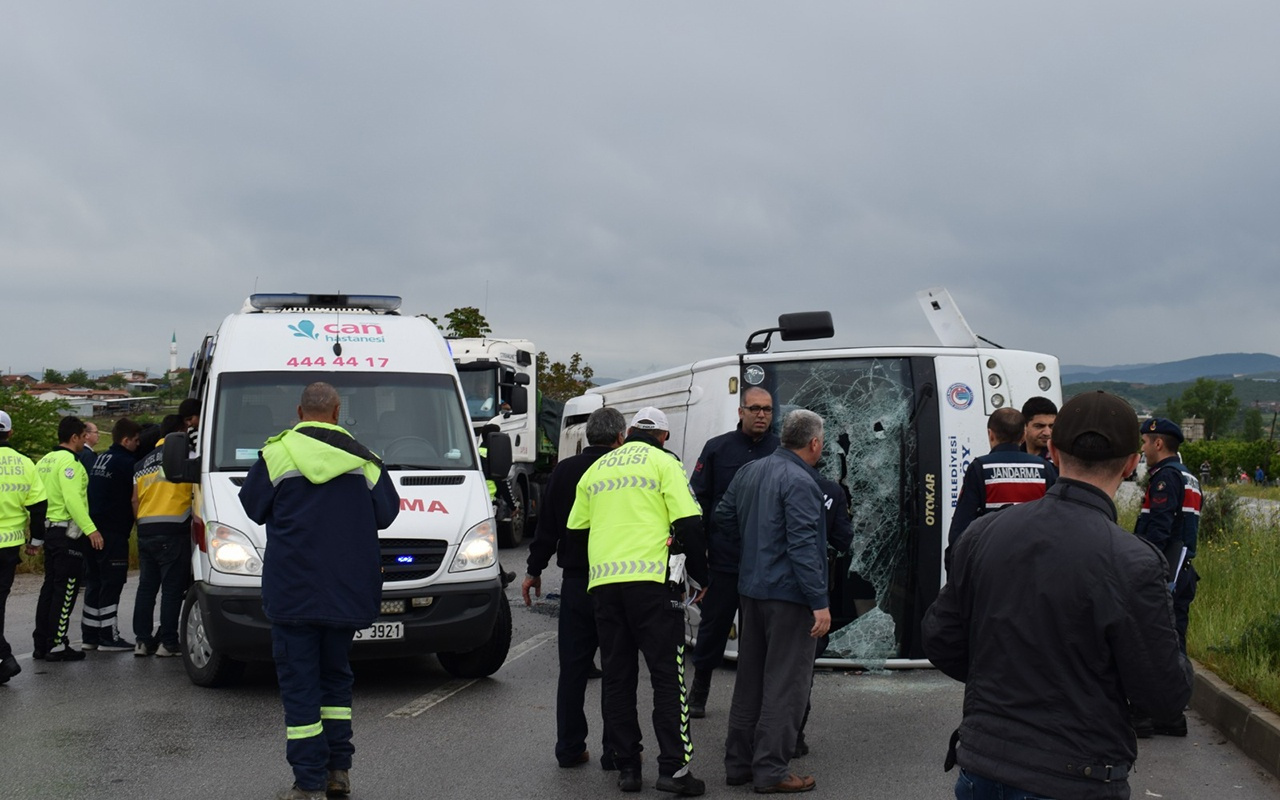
649, 419
6, 424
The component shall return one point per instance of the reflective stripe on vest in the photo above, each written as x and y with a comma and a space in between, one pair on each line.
609, 569
13, 538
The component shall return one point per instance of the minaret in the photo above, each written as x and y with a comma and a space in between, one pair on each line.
173, 354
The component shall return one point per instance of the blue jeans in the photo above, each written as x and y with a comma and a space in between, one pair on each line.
970, 786
164, 564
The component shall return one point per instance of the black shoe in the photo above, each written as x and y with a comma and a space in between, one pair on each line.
629, 780
9, 667
737, 780
1177, 727
507, 578
698, 693
686, 785
575, 761
66, 654
38, 654
594, 672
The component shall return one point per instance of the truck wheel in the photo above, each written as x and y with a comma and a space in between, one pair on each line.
511, 533
205, 666
488, 657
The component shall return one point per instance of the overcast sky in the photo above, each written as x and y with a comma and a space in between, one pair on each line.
644, 183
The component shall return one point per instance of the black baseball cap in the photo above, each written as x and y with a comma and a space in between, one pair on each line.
1110, 418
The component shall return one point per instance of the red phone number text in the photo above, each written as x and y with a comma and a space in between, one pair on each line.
350, 361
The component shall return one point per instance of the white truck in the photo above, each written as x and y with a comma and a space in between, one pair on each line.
400, 397
499, 378
902, 424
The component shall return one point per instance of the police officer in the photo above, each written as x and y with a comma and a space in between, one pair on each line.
721, 458
22, 505
638, 507
1170, 519
1004, 477
67, 527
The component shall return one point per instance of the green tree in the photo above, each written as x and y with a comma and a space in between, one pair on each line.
35, 422
560, 381
113, 381
53, 376
78, 377
466, 323
1252, 425
1172, 410
1213, 401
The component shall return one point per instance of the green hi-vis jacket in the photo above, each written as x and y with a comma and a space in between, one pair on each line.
629, 499
67, 485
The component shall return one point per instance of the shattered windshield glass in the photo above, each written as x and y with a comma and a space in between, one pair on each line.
870, 450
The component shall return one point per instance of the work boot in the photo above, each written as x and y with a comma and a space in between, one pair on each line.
629, 780
1174, 727
698, 693
338, 783
294, 793
9, 667
685, 785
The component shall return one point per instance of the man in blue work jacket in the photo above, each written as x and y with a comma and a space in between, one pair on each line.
323, 497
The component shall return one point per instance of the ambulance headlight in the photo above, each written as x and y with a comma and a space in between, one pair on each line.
478, 549
230, 551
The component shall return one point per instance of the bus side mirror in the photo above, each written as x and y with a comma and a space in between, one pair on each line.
806, 325
519, 400
498, 458
176, 460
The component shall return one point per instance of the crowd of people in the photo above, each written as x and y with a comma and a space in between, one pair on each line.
79, 508
1068, 632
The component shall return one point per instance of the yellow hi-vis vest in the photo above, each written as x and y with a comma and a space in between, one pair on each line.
628, 499
20, 487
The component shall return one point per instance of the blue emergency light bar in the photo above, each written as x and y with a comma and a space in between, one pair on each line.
384, 303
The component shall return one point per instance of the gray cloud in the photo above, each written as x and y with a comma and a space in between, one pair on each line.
645, 183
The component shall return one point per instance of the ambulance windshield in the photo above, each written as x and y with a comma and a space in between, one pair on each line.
413, 421
870, 449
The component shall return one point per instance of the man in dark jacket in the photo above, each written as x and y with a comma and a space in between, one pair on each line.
323, 497
1057, 619
107, 570
776, 506
720, 460
577, 637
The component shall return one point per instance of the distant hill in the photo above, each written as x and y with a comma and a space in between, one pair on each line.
1221, 366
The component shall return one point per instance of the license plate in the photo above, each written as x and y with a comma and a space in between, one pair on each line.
381, 632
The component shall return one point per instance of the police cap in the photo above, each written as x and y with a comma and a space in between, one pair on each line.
1162, 426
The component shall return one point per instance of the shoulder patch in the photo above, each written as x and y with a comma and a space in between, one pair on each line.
69, 472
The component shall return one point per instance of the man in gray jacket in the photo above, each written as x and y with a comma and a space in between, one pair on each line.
777, 507
1057, 619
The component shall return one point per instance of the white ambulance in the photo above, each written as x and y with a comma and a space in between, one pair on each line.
902, 425
401, 397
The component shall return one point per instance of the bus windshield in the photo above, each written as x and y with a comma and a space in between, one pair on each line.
411, 420
870, 449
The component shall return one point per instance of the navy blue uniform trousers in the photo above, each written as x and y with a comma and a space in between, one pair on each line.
315, 678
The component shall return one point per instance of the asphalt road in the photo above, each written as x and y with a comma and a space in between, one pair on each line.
116, 726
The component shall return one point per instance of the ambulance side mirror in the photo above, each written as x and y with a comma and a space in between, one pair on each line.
176, 460
499, 456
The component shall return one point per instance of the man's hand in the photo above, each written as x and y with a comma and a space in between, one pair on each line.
533, 583
32, 549
821, 623
95, 539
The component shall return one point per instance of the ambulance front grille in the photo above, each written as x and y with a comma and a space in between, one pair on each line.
411, 559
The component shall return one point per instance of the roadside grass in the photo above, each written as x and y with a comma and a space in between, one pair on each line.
1258, 492
1235, 619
